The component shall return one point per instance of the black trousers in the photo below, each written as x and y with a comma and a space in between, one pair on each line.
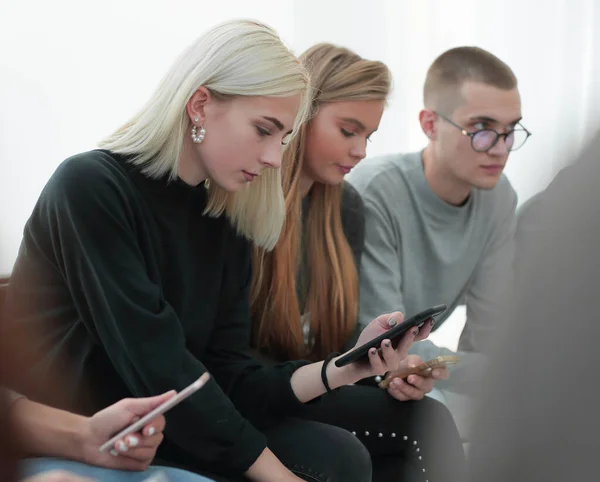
414, 441
359, 433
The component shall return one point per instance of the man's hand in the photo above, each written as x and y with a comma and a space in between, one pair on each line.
415, 387
137, 450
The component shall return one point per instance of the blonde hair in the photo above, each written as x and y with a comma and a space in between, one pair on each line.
236, 58
337, 75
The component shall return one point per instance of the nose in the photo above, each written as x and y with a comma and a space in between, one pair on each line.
358, 151
500, 148
271, 157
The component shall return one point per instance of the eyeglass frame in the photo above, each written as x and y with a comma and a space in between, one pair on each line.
471, 135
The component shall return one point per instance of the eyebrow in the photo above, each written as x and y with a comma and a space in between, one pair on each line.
491, 120
356, 122
277, 123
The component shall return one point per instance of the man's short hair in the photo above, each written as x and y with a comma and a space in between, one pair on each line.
451, 69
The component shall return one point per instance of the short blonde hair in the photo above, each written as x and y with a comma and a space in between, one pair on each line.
236, 58
456, 66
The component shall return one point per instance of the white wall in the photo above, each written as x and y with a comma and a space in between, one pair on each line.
72, 71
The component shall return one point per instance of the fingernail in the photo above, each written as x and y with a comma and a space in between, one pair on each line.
415, 331
151, 431
387, 343
122, 446
133, 441
114, 453
396, 383
432, 323
372, 351
392, 322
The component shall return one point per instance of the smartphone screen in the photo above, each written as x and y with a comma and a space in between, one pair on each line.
169, 404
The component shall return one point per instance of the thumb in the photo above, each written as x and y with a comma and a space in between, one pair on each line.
142, 406
390, 320
413, 360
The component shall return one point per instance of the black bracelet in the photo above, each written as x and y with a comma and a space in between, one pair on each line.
330, 357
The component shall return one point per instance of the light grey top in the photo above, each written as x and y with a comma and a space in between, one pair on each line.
421, 251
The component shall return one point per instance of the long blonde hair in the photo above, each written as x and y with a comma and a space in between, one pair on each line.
337, 74
236, 58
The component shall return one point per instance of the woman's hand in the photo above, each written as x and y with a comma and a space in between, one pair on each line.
415, 387
307, 383
137, 450
386, 358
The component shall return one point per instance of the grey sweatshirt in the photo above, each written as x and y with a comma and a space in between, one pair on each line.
421, 251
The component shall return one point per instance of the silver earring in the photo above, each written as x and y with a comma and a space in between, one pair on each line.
207, 184
196, 119
198, 137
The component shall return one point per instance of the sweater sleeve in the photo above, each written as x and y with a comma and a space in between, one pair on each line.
493, 275
261, 392
380, 274
90, 216
485, 299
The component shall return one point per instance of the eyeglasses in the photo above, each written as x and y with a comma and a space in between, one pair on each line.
483, 140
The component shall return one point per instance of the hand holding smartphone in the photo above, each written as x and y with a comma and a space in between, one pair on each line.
394, 335
424, 369
161, 409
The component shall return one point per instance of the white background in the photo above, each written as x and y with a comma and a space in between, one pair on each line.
73, 71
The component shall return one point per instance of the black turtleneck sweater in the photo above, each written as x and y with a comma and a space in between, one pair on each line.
132, 291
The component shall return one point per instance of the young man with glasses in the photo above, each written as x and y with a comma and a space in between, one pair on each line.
440, 222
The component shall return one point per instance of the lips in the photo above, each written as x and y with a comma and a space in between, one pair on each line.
344, 169
493, 168
249, 175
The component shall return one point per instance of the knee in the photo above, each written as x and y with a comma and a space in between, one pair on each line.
349, 459
435, 421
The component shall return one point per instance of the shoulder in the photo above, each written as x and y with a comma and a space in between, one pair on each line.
87, 177
88, 169
352, 202
385, 174
385, 182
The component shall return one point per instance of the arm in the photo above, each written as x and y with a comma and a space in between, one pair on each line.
91, 224
380, 275
49, 432
485, 297
493, 276
92, 229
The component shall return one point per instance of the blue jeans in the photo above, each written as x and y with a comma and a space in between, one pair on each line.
36, 466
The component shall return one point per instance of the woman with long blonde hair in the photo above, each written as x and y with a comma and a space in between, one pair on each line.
314, 313
135, 269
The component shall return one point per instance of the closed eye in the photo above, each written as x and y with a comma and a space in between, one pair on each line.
262, 132
346, 133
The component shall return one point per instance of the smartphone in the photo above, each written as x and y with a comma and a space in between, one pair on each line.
169, 404
394, 335
424, 369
